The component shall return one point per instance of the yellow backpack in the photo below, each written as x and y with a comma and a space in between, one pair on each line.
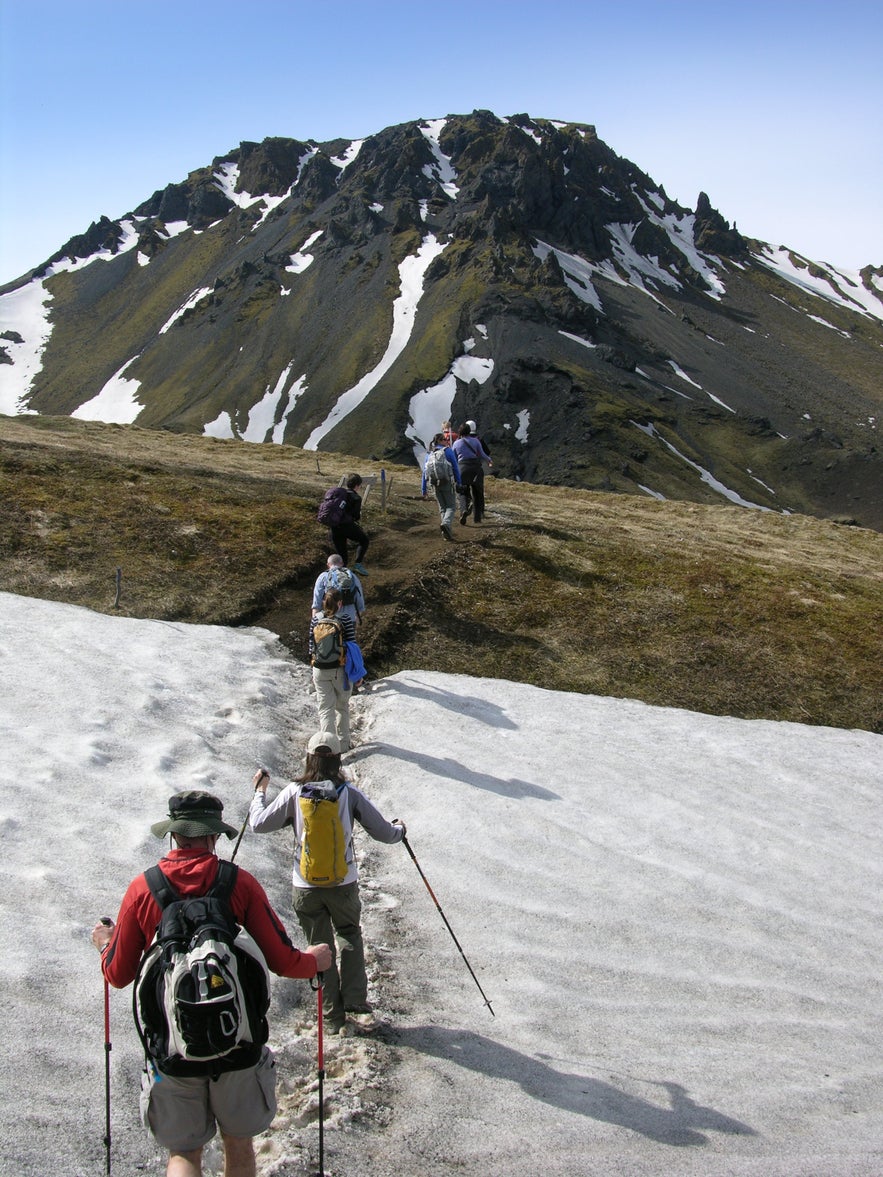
323, 842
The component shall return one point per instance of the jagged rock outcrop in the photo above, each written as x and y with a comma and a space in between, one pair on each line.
713, 234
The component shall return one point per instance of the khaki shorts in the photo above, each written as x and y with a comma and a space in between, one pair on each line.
184, 1113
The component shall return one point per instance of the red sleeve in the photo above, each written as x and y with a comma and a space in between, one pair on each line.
135, 926
140, 914
252, 909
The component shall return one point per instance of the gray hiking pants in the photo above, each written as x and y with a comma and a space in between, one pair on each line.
446, 497
332, 915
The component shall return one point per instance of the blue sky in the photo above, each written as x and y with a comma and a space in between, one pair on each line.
774, 109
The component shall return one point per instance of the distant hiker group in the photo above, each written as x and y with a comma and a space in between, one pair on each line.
454, 468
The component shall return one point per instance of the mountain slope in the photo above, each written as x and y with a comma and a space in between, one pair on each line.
351, 296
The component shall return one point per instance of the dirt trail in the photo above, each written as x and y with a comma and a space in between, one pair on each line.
400, 547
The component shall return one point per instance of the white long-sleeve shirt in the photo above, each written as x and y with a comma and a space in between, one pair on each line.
265, 816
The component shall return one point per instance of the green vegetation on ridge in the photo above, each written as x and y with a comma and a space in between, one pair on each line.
714, 609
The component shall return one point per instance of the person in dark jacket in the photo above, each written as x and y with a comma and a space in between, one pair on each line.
183, 1112
349, 527
471, 455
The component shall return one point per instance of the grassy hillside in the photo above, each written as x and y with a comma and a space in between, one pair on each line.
712, 608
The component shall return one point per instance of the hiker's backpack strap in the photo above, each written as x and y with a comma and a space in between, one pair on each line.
225, 880
160, 887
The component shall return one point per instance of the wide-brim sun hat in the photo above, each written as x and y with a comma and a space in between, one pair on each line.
193, 815
323, 741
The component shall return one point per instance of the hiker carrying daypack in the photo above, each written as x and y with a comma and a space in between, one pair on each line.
438, 468
329, 643
202, 992
441, 471
333, 508
321, 906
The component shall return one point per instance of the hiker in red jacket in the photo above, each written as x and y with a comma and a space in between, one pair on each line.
183, 1112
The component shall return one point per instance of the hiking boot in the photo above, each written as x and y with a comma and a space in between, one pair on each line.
360, 568
361, 1019
446, 531
463, 518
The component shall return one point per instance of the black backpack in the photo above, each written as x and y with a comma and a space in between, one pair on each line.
202, 992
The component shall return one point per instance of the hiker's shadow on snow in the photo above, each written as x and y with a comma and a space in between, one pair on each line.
448, 769
465, 706
682, 1123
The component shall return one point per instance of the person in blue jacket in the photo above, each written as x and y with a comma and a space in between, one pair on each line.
441, 471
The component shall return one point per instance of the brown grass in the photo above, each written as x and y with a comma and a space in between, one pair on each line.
714, 609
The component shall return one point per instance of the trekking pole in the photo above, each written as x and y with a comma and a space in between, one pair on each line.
108, 922
245, 823
407, 846
319, 987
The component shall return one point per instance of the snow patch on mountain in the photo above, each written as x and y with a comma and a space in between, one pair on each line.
195, 298
680, 232
578, 273
116, 403
578, 339
523, 426
442, 170
302, 259
227, 177
346, 157
706, 477
843, 287
429, 408
412, 272
265, 422
24, 315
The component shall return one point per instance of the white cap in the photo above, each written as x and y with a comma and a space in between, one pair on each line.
472, 426
324, 740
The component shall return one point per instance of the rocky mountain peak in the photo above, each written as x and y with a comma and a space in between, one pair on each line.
351, 295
